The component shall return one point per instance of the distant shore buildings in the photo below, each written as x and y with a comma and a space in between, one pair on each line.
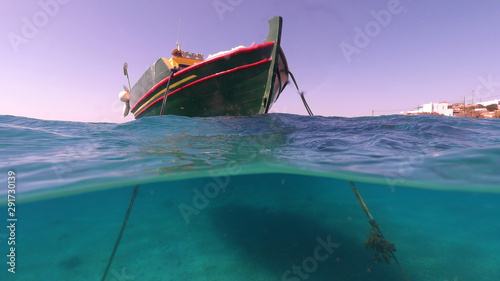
487, 109
438, 108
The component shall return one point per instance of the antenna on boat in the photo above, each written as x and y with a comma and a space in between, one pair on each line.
178, 31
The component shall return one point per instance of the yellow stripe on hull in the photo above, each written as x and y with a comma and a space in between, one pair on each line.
162, 92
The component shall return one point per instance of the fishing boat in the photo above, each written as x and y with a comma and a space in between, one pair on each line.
241, 82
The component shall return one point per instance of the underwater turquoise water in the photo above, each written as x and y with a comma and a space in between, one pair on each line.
251, 198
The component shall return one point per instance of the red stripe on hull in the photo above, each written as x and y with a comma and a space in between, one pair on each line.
198, 65
225, 56
204, 79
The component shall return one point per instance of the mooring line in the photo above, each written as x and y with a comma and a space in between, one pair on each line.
383, 249
131, 203
172, 72
301, 94
376, 242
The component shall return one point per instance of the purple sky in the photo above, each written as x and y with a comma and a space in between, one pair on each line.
62, 59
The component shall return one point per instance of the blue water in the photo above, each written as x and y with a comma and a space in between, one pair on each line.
252, 198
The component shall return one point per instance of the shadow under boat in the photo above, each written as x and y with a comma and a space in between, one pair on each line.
278, 240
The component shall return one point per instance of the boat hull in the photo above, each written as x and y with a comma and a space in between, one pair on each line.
243, 82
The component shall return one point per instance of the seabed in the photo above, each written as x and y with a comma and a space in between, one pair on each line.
258, 227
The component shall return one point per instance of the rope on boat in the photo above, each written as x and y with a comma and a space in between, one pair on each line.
301, 94
110, 261
172, 71
375, 241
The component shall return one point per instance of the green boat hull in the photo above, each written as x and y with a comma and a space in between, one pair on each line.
243, 82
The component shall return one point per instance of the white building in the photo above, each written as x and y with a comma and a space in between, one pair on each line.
433, 107
486, 103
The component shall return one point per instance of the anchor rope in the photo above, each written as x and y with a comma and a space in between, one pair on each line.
301, 94
110, 261
376, 242
172, 72
383, 249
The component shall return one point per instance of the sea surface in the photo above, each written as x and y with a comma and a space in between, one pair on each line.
266, 197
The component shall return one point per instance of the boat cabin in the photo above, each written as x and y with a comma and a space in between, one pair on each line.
182, 59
